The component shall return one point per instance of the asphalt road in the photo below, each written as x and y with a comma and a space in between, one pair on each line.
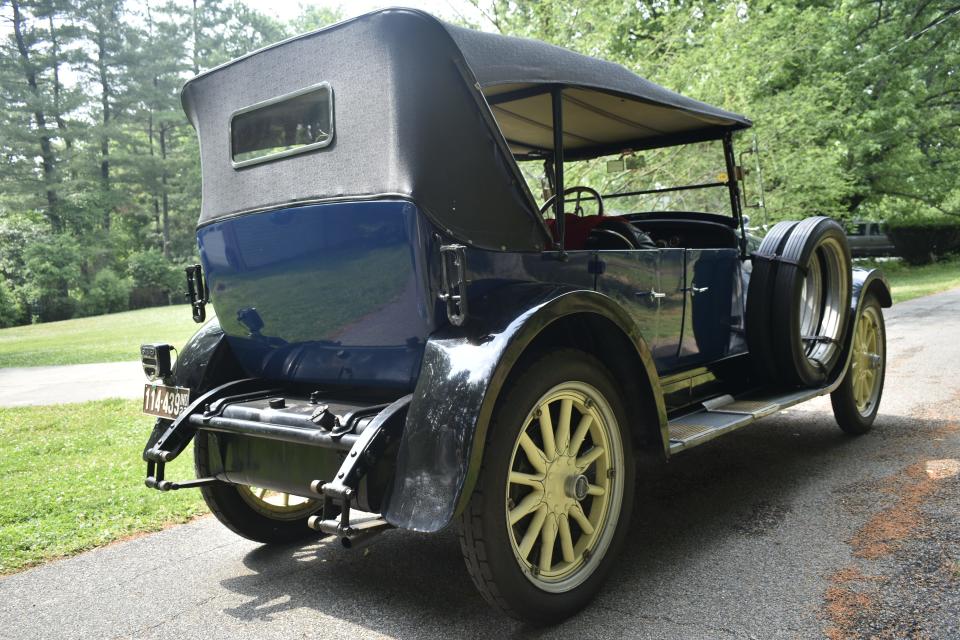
22, 386
786, 529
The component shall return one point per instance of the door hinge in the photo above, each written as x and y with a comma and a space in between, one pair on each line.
596, 266
197, 292
453, 273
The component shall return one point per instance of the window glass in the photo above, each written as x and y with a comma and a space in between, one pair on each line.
282, 127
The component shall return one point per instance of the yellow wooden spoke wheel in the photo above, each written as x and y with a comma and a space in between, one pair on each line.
562, 482
553, 499
857, 399
277, 504
867, 360
257, 513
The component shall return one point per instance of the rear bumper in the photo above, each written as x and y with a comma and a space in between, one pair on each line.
266, 437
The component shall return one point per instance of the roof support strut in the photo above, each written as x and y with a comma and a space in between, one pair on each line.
734, 187
556, 94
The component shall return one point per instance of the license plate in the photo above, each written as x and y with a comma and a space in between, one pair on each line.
163, 401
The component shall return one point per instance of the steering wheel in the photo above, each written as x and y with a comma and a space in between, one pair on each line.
579, 190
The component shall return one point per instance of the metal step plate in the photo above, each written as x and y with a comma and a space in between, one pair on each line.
756, 408
684, 432
724, 414
701, 426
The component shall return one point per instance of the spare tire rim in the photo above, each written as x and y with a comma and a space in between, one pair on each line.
867, 361
277, 504
563, 492
823, 298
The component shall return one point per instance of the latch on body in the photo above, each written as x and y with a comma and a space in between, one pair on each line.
453, 273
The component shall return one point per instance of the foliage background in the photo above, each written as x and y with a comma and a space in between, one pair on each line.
856, 102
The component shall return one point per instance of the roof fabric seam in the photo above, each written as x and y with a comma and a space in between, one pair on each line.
612, 116
537, 123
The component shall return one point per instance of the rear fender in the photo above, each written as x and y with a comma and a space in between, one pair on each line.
197, 362
463, 372
203, 363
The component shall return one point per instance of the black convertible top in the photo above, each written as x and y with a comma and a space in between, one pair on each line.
606, 106
436, 113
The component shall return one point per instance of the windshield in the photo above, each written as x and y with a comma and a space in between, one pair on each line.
688, 177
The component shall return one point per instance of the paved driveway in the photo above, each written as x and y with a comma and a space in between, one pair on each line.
21, 386
786, 529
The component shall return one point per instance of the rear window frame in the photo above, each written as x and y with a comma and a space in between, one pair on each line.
270, 157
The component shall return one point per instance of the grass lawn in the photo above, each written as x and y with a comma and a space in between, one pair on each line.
110, 338
912, 282
73, 480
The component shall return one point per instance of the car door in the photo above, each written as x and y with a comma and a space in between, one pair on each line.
649, 285
713, 306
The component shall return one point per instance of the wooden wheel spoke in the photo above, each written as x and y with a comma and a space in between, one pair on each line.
534, 481
566, 541
584, 461
581, 433
546, 432
533, 532
576, 512
535, 456
563, 425
548, 539
530, 502
596, 490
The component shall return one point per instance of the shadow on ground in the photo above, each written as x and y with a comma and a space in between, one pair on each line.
729, 497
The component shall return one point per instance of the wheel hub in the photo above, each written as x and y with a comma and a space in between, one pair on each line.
577, 487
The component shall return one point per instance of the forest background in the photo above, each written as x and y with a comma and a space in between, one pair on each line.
856, 105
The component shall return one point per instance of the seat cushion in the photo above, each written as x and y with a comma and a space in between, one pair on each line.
577, 230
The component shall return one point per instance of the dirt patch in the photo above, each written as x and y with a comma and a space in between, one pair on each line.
858, 605
846, 601
909, 488
879, 536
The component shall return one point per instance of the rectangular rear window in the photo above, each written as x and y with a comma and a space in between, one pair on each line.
294, 123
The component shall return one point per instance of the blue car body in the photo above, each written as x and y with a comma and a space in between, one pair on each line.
397, 268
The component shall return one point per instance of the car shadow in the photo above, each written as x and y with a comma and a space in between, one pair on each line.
731, 491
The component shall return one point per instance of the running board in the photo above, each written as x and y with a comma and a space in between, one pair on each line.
725, 413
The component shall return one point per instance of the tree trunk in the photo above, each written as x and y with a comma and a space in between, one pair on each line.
46, 149
104, 136
163, 192
57, 111
196, 40
153, 195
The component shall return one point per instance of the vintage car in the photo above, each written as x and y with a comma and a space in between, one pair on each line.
406, 338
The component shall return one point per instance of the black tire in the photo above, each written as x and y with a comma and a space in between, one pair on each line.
488, 542
816, 255
238, 513
759, 312
852, 417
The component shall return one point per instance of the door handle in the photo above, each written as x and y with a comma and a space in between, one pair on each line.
653, 295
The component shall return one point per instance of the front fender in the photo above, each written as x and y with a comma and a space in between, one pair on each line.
461, 377
865, 281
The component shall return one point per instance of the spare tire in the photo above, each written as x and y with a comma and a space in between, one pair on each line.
759, 312
811, 302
